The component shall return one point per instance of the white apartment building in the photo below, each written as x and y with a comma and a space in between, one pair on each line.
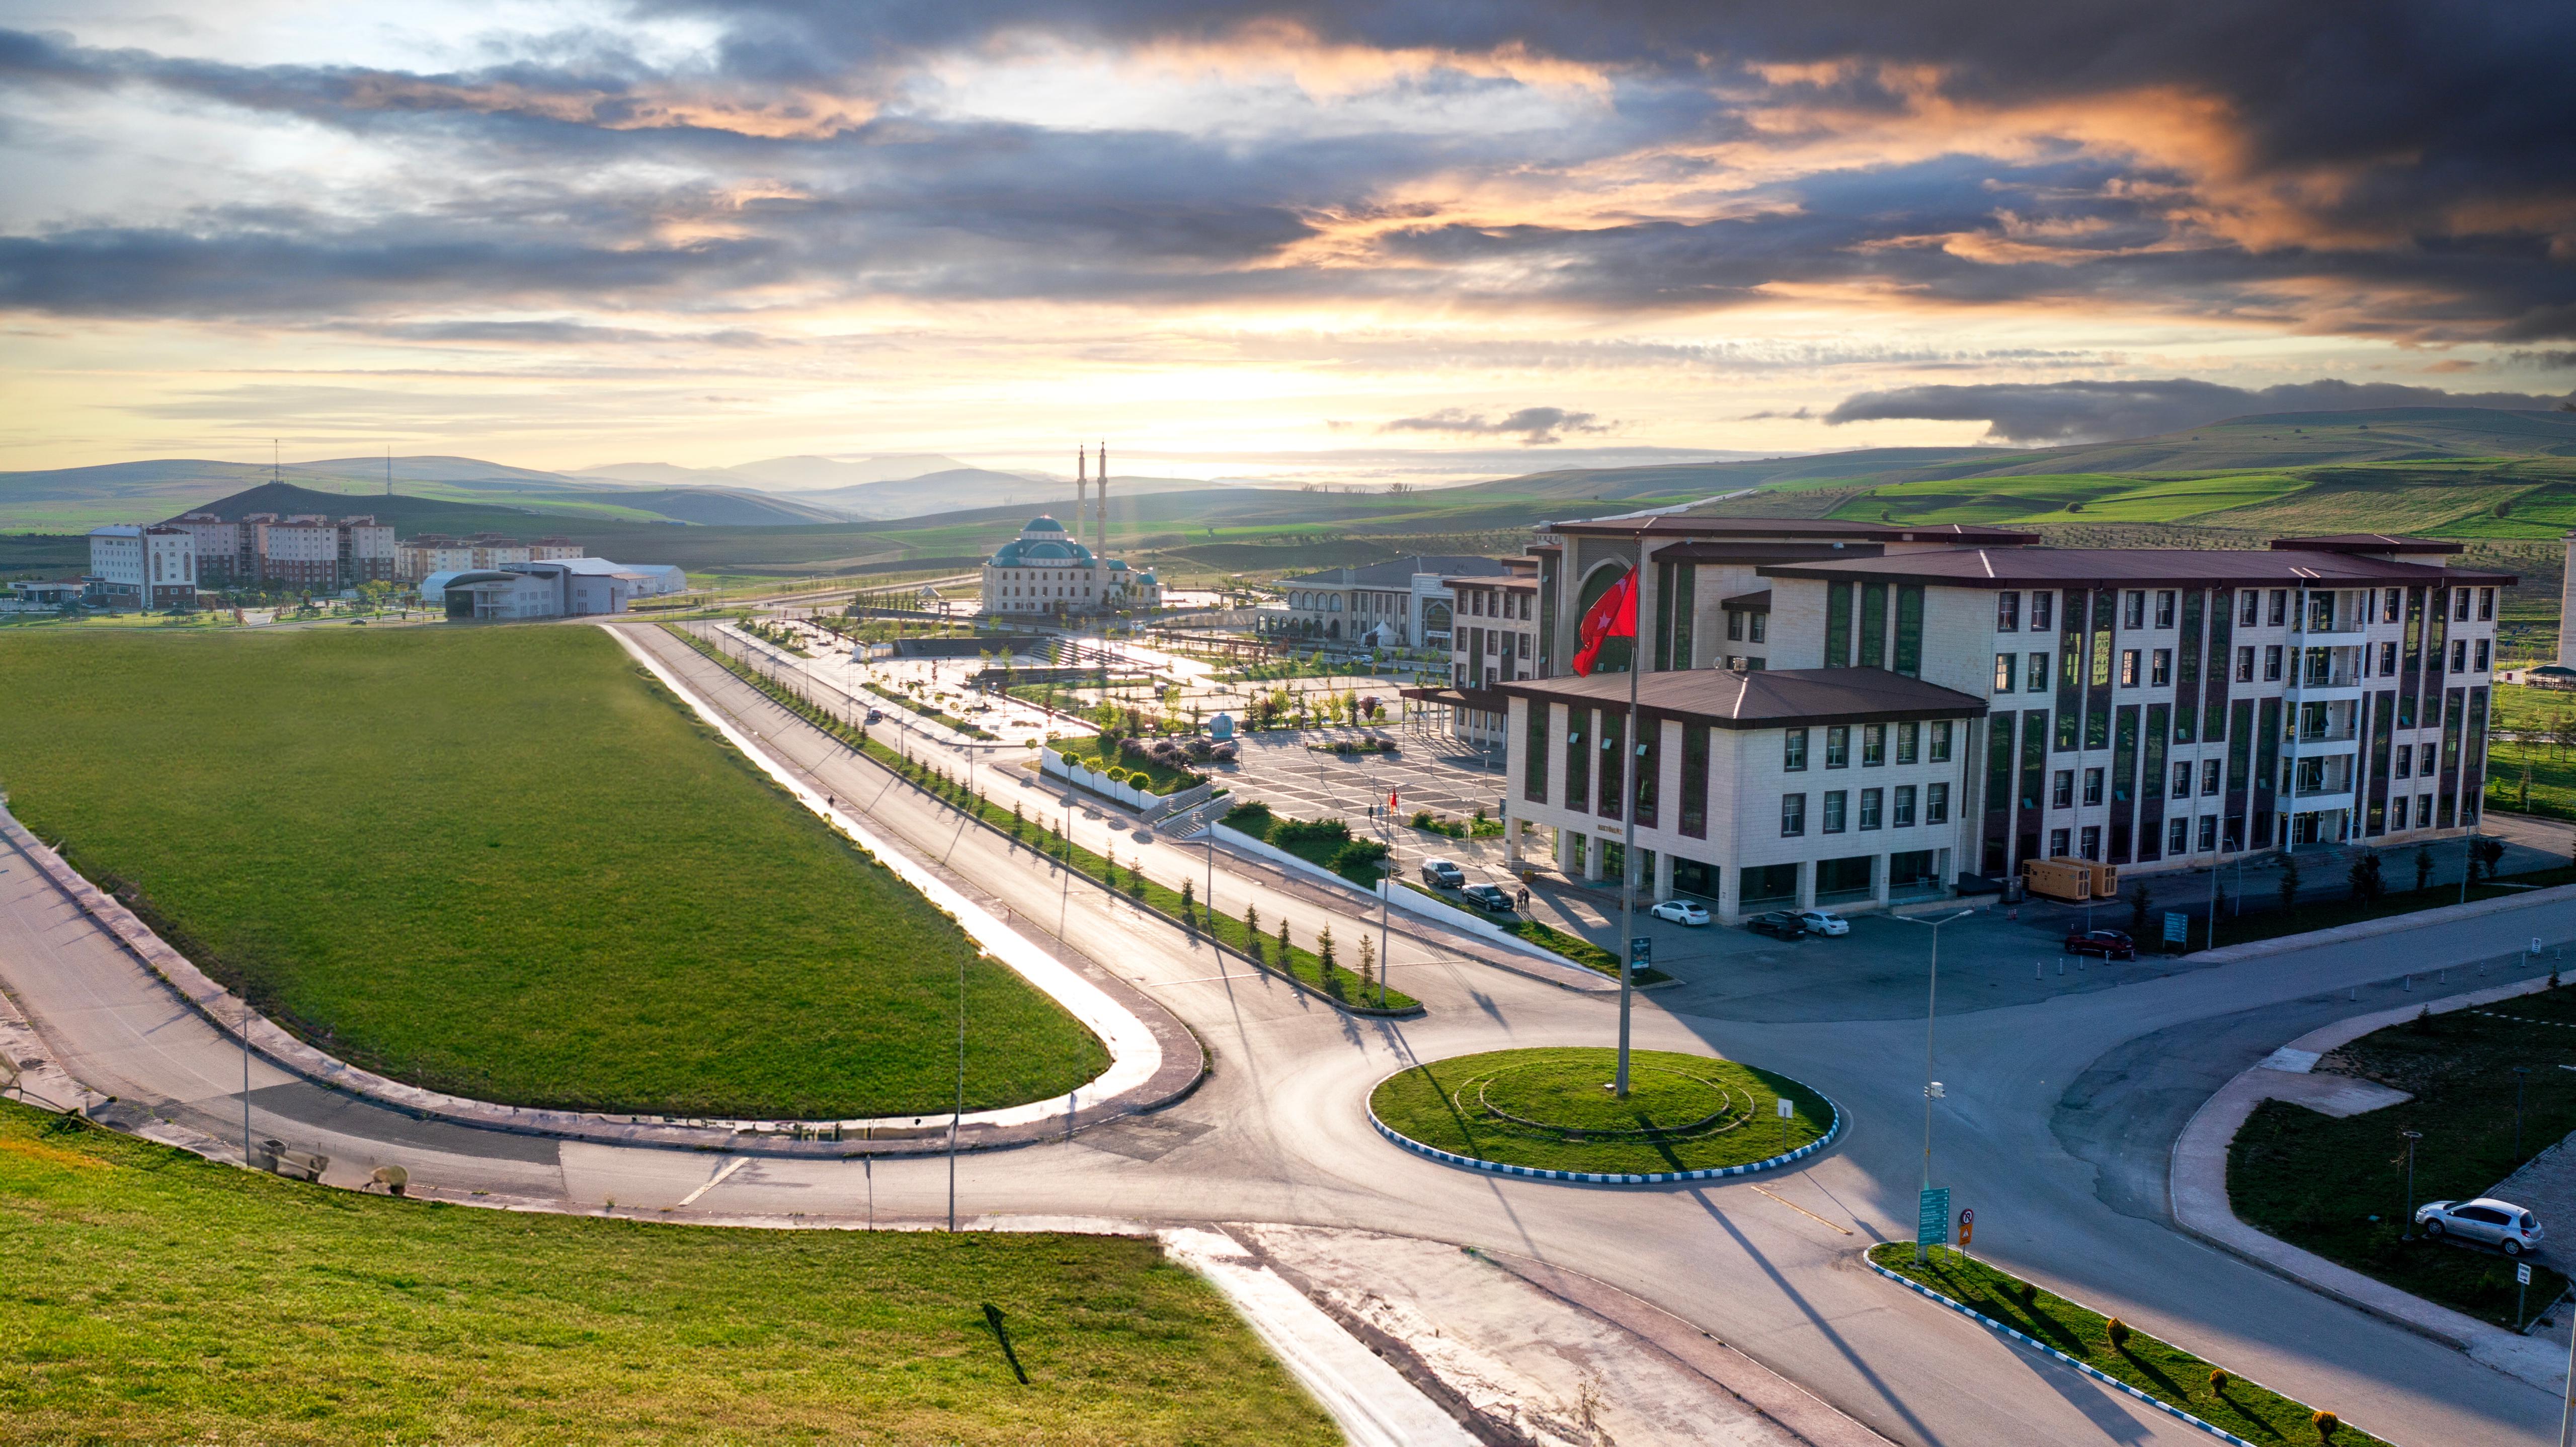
2149, 708
1493, 639
155, 566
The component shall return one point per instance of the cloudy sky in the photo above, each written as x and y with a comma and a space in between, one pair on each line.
1383, 239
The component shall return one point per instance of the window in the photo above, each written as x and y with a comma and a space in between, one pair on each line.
2321, 612
1873, 745
2178, 838
2007, 613
2390, 601
2245, 664
1869, 808
2160, 668
2057, 842
2182, 779
2253, 601
1909, 741
1838, 746
2061, 789
2208, 832
2486, 605
2209, 770
1936, 803
2272, 662
1835, 802
2460, 648
1793, 815
2036, 678
2004, 666
2482, 655
2092, 841
1941, 741
2397, 814
1903, 817
2388, 654
2423, 811
2128, 668
1761, 625
2093, 786
2042, 605
2405, 764
2280, 606
2133, 610
2460, 610
1734, 626
2428, 765
2165, 608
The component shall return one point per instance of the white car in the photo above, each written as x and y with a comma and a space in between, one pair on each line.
1680, 911
1824, 922
2487, 1221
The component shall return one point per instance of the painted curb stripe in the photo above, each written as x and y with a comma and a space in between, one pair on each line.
2096, 1373
1613, 1178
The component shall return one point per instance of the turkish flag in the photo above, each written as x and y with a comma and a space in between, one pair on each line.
1614, 616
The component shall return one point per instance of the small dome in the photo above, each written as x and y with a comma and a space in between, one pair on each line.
1042, 524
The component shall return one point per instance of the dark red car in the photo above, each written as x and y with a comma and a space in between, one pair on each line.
2110, 944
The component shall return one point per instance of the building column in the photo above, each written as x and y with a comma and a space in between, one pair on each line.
1512, 841
1730, 894
1878, 880
1807, 884
1663, 880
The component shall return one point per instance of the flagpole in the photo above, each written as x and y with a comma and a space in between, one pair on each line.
1628, 818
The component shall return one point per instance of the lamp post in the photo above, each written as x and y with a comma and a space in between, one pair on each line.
1931, 1088
2521, 1076
959, 1117
2412, 1136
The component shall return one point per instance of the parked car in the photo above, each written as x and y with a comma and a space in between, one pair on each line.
1443, 874
1487, 897
2487, 1221
1779, 923
1824, 922
2110, 944
1680, 911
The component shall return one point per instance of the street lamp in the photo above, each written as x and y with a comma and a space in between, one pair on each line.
2412, 1136
2521, 1075
1932, 1090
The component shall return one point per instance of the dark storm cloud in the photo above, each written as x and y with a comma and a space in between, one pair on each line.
1535, 426
2086, 411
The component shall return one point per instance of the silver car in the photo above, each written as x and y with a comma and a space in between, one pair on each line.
2487, 1221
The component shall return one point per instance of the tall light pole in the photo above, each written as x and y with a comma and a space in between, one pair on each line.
2412, 1136
959, 1117
1931, 1088
1629, 749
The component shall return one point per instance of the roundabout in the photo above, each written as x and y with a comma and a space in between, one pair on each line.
1550, 1113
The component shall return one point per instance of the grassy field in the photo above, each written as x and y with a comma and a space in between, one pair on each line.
2157, 1368
1442, 1104
501, 861
2337, 1187
153, 1297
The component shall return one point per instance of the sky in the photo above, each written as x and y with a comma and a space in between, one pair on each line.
1380, 241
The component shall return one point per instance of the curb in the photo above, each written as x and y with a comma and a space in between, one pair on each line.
2096, 1373
1612, 1178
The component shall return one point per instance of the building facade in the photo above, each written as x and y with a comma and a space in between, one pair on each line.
154, 567
550, 588
1493, 640
1045, 570
1401, 603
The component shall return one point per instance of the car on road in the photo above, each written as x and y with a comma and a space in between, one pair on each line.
1443, 874
1487, 897
1779, 923
2486, 1221
2110, 944
1680, 911
876, 715
1824, 922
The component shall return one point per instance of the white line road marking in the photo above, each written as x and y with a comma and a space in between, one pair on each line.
718, 1179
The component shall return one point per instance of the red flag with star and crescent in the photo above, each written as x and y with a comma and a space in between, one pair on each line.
1614, 616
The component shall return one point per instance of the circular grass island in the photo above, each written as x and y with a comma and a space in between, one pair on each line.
1550, 1112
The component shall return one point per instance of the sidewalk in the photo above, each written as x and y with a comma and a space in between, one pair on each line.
2200, 1204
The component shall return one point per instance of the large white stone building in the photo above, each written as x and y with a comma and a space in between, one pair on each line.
1045, 570
1858, 713
155, 567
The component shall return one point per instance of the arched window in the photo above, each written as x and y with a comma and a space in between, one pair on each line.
1335, 606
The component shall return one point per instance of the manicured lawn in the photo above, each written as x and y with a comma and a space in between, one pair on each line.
154, 1297
1444, 1104
501, 861
1094, 752
2157, 1368
2337, 1187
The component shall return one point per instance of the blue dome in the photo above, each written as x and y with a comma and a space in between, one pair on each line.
1042, 525
1041, 553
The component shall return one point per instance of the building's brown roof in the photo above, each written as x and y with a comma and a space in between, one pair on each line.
1488, 700
1741, 552
1675, 525
1760, 700
2115, 567
1513, 580
2364, 543
1747, 602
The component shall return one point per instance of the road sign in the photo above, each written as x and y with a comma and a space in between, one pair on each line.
2522, 1274
1932, 1216
1787, 1110
1967, 1225
2177, 927
1641, 950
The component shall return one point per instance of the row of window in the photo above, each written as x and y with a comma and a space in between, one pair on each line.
1873, 744
1486, 603
2157, 670
2311, 779
1898, 812
2257, 606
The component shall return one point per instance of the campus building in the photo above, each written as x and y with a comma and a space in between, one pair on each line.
1808, 684
1047, 570
1401, 603
417, 558
1493, 639
152, 567
552, 588
308, 552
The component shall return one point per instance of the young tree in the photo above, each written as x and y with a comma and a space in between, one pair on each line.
1189, 902
2368, 884
2138, 906
1324, 961
1286, 959
1252, 932
2487, 852
1368, 962
2423, 865
2289, 883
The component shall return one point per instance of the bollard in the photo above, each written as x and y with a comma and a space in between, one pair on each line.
2061, 964
2356, 993
2410, 982
2034, 969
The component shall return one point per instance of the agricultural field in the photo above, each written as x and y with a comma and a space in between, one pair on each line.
503, 862
155, 1297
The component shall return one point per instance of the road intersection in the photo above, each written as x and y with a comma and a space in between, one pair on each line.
2054, 1127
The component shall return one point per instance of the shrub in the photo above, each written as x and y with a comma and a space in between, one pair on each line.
1360, 856
2116, 1332
2368, 880
2325, 1423
2218, 1381
1288, 832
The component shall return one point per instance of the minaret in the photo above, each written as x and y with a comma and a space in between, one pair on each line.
2567, 610
1100, 517
1081, 489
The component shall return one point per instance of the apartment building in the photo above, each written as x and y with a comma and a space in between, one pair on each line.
1493, 639
154, 566
224, 556
2150, 708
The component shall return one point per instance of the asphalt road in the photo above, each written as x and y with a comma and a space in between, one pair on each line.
2052, 1120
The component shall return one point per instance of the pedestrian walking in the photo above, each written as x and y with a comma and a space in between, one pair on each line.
1524, 896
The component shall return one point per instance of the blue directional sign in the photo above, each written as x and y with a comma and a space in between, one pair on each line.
2177, 927
1641, 950
1932, 1224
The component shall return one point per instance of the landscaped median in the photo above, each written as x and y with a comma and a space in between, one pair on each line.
1548, 937
1550, 1112
1319, 964
2182, 1384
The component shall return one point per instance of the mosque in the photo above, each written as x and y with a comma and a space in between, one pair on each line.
1046, 569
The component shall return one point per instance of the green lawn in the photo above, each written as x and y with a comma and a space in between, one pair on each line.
2157, 1368
1088, 750
2337, 1187
153, 1297
501, 861
1443, 1104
